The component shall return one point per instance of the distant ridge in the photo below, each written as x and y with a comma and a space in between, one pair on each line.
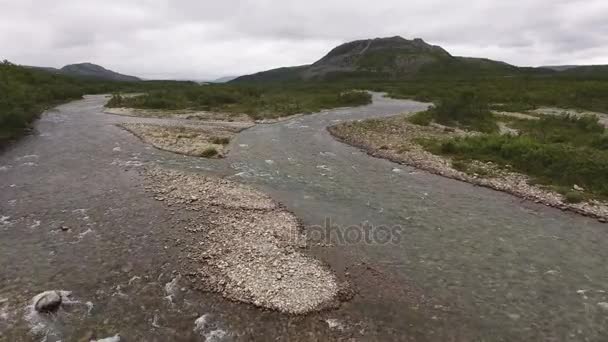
224, 79
560, 67
90, 70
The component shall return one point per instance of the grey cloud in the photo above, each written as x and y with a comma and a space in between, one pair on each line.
207, 39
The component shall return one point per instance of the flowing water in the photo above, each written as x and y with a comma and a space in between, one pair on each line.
461, 262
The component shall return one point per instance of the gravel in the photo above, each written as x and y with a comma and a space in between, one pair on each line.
188, 140
244, 245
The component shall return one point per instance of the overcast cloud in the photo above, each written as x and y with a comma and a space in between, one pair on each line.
199, 39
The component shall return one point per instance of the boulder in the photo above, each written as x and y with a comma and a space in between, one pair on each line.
47, 302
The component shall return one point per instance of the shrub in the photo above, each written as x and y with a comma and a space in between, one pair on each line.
354, 98
460, 165
220, 140
116, 101
209, 152
422, 118
465, 110
574, 197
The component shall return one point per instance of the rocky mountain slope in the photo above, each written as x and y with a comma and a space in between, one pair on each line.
393, 57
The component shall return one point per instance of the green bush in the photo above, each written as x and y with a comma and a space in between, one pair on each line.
209, 152
574, 197
220, 140
465, 110
116, 101
460, 165
421, 118
355, 98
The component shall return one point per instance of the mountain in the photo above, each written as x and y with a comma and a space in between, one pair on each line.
95, 71
391, 58
89, 70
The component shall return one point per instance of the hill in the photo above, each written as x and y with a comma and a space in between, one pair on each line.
92, 71
384, 58
95, 71
587, 72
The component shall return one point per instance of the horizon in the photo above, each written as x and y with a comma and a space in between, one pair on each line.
189, 40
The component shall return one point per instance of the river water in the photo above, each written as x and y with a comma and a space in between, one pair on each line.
463, 263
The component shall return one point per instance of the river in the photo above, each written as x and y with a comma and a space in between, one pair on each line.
463, 263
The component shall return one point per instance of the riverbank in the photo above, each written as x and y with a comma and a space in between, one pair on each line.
398, 140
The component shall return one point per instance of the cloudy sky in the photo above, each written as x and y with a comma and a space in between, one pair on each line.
202, 39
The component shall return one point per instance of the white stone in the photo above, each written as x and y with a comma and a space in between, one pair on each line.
48, 301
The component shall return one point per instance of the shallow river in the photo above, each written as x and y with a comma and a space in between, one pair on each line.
461, 263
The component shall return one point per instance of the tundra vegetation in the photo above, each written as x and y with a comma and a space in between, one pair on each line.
560, 151
259, 102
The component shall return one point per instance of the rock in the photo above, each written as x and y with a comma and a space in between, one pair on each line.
64, 228
47, 302
115, 338
514, 317
603, 306
578, 188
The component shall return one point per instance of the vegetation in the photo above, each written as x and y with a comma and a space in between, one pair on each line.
258, 102
220, 141
514, 93
465, 110
26, 92
574, 197
561, 151
209, 152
